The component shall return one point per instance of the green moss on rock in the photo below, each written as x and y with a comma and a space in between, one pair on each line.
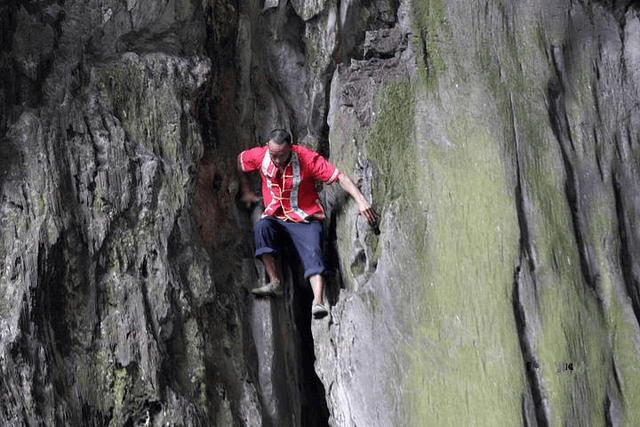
465, 359
391, 147
429, 20
147, 107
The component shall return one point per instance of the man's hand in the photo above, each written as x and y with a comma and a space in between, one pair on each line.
364, 207
368, 213
249, 198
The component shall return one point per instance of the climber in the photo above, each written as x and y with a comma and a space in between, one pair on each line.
289, 173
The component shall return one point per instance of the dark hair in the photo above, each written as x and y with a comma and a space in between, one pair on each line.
280, 137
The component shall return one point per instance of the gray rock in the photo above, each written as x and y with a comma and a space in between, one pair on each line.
497, 140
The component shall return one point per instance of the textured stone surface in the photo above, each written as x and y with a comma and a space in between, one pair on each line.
501, 290
497, 140
111, 308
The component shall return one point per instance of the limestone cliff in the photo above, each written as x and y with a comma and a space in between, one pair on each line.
497, 140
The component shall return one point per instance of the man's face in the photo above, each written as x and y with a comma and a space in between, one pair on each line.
279, 154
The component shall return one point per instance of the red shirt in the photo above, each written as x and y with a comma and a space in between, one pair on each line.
292, 195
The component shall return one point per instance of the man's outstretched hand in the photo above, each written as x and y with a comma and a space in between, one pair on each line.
368, 213
364, 207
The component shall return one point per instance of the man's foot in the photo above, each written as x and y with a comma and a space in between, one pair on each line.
273, 289
319, 310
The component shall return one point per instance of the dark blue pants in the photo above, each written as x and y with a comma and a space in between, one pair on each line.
270, 234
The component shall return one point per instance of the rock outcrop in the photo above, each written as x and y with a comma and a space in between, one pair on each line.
498, 142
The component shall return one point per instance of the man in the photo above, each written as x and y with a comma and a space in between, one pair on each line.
292, 208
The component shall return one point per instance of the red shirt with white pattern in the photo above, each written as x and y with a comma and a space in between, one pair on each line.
291, 195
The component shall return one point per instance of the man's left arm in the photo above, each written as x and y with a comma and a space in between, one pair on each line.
364, 207
328, 173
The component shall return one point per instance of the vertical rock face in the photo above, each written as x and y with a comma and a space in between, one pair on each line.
112, 312
497, 141
503, 287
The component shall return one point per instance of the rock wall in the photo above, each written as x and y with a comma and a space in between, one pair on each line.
112, 311
503, 287
498, 141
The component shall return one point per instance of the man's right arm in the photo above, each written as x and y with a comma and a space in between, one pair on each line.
247, 195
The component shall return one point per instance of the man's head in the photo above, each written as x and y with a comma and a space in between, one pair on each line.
279, 147
280, 137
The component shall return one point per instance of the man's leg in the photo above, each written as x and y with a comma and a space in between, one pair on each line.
318, 309
317, 285
266, 236
271, 268
307, 239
